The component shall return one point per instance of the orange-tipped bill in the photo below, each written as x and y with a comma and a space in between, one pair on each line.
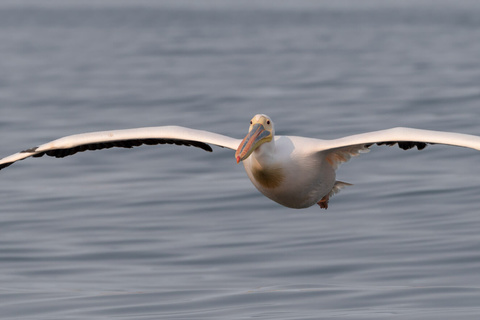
255, 137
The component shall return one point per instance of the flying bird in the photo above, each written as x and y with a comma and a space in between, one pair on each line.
296, 172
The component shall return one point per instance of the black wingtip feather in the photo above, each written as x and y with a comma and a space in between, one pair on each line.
60, 153
405, 145
4, 165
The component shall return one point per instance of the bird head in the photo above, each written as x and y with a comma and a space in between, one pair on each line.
260, 131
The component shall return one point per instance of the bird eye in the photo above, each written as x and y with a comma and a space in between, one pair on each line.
268, 121
251, 122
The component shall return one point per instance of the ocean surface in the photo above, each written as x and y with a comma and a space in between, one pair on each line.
168, 232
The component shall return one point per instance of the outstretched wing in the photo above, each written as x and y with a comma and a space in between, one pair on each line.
127, 138
340, 150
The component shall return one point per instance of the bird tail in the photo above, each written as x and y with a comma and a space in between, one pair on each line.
339, 185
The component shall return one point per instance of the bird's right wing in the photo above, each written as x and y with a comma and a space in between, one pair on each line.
127, 138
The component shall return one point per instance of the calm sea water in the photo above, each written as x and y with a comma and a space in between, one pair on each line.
177, 233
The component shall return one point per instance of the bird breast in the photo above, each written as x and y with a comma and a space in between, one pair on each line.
268, 177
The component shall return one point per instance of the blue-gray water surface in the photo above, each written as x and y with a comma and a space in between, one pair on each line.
170, 232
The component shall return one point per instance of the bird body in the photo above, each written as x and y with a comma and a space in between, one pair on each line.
296, 172
290, 172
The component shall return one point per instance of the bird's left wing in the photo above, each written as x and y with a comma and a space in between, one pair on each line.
127, 138
340, 150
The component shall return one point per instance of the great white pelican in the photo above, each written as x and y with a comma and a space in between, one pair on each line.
296, 172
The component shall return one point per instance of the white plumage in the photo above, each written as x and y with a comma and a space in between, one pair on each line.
294, 171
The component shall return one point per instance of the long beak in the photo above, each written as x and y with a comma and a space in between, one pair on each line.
251, 141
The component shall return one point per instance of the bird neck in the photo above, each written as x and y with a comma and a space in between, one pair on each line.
265, 168
265, 153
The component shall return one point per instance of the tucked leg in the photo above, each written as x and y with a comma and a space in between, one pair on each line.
323, 203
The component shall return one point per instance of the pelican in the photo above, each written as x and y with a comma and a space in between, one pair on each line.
296, 172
